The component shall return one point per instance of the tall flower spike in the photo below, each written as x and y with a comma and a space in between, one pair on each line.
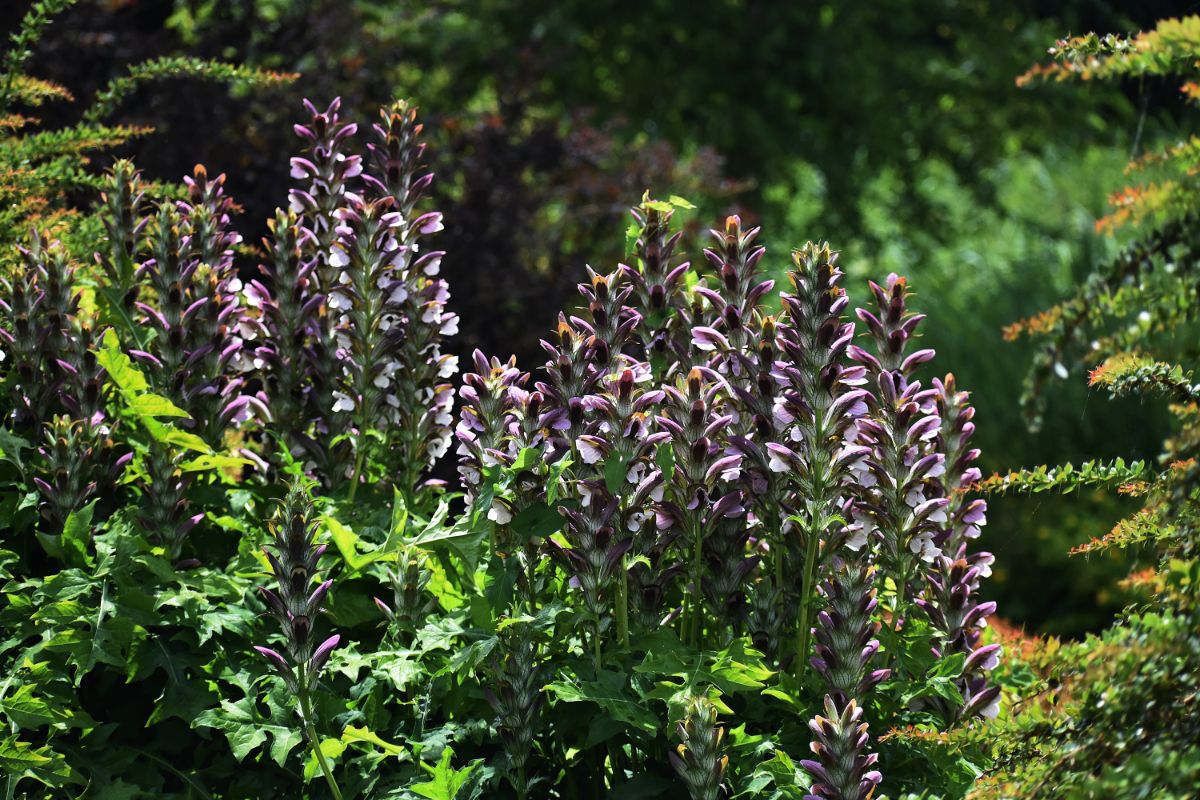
326, 172
296, 601
841, 770
906, 505
365, 307
516, 697
37, 310
740, 344
953, 579
845, 643
76, 461
700, 758
820, 398
196, 312
290, 313
420, 399
704, 486
164, 507
486, 418
220, 326
658, 282
122, 201
734, 259
411, 600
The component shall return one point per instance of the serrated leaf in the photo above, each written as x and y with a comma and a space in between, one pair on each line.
41, 764
680, 202
536, 521
247, 730
77, 535
356, 735
448, 783
154, 405
346, 541
11, 446
610, 691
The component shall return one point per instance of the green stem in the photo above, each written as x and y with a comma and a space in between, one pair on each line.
807, 591
623, 605
311, 732
359, 457
901, 590
697, 592
596, 657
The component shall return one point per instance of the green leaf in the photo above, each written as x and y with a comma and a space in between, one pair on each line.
615, 470
355, 735
23, 760
11, 447
664, 457
247, 730
153, 405
77, 535
347, 541
537, 521
528, 458
447, 783
399, 521
460, 540
680, 202
332, 749
28, 710
611, 692
212, 462
121, 370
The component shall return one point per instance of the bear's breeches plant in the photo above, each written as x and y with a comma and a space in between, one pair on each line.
717, 522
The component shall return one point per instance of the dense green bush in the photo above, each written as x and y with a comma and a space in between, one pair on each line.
1115, 715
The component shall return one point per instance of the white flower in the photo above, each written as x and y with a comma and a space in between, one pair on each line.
450, 325
439, 446
992, 709
447, 366
585, 494
338, 257
858, 539
342, 402
499, 512
339, 302
399, 293
922, 546
589, 452
381, 381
